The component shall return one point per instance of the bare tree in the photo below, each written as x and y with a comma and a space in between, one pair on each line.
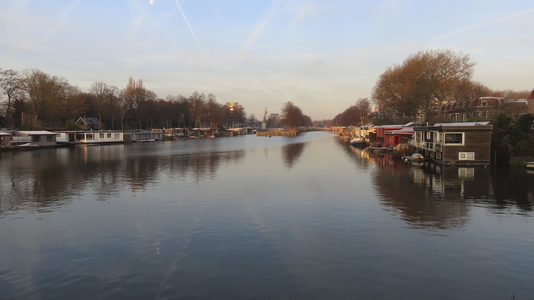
214, 111
10, 84
291, 115
424, 79
197, 107
46, 96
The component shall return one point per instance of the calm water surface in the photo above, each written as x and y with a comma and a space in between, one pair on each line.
307, 217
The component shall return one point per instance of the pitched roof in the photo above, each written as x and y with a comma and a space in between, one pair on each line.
531, 96
89, 121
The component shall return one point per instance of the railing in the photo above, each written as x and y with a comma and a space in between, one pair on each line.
22, 139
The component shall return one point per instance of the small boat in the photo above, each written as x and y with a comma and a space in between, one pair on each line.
26, 146
374, 149
212, 136
358, 142
416, 157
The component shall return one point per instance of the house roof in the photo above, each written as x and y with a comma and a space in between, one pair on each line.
531, 96
38, 132
89, 121
463, 124
407, 130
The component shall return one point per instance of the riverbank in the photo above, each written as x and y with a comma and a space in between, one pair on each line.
520, 160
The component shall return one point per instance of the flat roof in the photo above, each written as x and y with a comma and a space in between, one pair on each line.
38, 132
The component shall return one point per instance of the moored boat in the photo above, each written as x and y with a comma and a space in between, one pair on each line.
358, 142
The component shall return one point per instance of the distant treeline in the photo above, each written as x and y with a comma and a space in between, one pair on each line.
33, 99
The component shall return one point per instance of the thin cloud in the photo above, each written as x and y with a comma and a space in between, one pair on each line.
185, 56
62, 19
485, 24
190, 28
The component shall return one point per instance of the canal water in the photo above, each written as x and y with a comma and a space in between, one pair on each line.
305, 217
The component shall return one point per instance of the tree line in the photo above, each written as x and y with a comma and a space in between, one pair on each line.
34, 99
422, 83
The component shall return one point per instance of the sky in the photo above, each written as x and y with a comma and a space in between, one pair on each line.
323, 55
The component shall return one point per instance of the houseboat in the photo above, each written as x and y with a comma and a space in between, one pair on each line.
86, 138
393, 138
142, 137
31, 140
455, 143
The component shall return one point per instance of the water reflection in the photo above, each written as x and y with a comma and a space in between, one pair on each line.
417, 196
45, 179
432, 196
291, 153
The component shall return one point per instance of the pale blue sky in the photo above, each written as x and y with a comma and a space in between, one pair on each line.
322, 55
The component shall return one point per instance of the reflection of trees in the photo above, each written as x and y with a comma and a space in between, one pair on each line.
291, 153
511, 186
45, 179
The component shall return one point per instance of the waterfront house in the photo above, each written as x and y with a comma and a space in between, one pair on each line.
455, 143
208, 132
5, 137
89, 123
381, 132
401, 136
40, 138
89, 137
173, 133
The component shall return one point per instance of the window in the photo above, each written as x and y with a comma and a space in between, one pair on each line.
454, 138
418, 137
109, 135
117, 135
466, 156
89, 136
428, 135
101, 135
49, 138
36, 138
396, 140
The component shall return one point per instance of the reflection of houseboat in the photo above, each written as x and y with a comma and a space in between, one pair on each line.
455, 143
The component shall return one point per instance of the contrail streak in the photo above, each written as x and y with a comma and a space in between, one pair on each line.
189, 25
484, 24
168, 38
62, 18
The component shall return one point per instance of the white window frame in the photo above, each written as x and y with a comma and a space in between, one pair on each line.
466, 155
454, 144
